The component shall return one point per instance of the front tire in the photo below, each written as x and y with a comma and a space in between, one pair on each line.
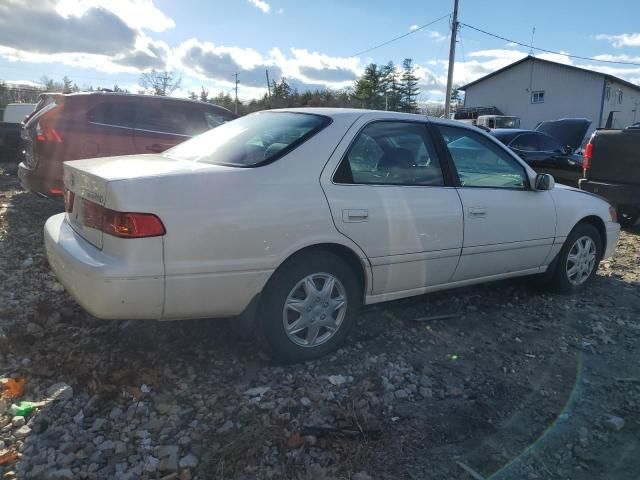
308, 307
578, 260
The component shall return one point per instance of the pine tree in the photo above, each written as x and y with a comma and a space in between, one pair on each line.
67, 84
204, 94
391, 87
369, 88
409, 87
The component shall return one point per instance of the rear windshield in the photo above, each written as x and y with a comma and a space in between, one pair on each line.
252, 140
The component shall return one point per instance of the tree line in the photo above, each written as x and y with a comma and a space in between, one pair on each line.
381, 87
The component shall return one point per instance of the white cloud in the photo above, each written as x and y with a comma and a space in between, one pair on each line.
135, 13
261, 4
414, 27
622, 40
618, 58
437, 36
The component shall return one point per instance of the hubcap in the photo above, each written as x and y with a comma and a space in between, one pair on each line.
314, 310
581, 260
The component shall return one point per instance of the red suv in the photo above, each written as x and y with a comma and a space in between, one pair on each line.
87, 125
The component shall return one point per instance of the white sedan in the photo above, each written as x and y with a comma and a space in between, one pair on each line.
292, 219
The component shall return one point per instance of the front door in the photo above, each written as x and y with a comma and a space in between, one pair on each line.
508, 227
391, 195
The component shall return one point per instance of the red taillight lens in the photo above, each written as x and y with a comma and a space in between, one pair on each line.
45, 131
69, 197
121, 224
588, 153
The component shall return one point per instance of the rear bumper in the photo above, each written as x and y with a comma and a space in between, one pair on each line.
101, 284
47, 181
615, 193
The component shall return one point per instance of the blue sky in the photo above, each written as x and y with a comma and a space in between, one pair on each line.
101, 42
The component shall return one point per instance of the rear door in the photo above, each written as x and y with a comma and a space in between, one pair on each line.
390, 193
508, 227
109, 128
163, 124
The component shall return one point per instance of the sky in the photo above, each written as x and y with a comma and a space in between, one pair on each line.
314, 44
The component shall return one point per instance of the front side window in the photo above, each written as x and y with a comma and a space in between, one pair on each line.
252, 140
537, 97
159, 118
391, 153
480, 162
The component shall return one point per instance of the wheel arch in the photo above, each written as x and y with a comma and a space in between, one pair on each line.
348, 254
598, 224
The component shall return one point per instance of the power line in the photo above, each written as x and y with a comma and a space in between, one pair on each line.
546, 50
421, 27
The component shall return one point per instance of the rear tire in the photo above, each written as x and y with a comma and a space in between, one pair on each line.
308, 307
578, 260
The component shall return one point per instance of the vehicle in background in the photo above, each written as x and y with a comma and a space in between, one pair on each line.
12, 117
612, 170
551, 148
498, 121
634, 125
291, 219
98, 124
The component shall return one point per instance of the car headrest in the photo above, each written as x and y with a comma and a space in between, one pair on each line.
396, 159
273, 149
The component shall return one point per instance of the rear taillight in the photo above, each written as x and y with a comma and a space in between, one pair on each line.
45, 130
69, 197
614, 214
121, 224
588, 153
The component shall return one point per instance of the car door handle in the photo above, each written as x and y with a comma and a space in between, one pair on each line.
477, 212
354, 216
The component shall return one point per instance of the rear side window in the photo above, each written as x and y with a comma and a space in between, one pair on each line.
252, 140
549, 144
113, 114
391, 153
527, 142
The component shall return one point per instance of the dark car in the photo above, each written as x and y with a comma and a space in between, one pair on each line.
546, 153
101, 124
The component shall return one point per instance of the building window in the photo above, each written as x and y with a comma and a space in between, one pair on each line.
619, 96
607, 93
537, 97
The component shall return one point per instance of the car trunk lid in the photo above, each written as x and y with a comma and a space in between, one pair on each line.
88, 181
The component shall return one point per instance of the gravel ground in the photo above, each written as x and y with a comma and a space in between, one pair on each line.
502, 381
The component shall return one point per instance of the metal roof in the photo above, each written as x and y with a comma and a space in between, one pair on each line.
530, 57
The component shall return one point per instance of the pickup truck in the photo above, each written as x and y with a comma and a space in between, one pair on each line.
611, 168
12, 117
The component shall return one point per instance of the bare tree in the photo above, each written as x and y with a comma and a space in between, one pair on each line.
160, 82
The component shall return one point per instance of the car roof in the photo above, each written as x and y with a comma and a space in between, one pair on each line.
375, 114
139, 96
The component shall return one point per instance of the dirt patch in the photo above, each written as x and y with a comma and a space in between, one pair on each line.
512, 382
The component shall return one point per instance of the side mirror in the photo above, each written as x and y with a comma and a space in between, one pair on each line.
544, 182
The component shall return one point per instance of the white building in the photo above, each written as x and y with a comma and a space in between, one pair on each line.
536, 90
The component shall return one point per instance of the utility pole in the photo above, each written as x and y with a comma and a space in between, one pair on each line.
236, 75
268, 83
452, 58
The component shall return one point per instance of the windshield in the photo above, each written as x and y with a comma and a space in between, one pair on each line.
507, 122
252, 140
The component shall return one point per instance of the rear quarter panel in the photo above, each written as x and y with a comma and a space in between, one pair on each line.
229, 228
